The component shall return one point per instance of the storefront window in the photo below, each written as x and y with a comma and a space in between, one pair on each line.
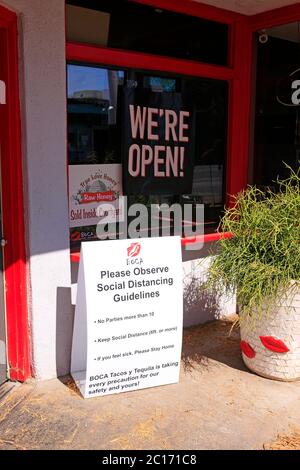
142, 28
97, 133
277, 118
93, 132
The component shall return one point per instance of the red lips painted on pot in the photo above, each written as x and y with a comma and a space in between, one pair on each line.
274, 344
247, 349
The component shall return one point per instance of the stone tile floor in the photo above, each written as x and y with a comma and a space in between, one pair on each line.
218, 404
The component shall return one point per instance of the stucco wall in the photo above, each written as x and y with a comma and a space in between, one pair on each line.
199, 304
43, 96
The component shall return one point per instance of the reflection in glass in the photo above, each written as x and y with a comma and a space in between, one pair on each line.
132, 26
96, 128
93, 135
277, 119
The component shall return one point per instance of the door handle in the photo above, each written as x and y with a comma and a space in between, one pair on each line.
3, 242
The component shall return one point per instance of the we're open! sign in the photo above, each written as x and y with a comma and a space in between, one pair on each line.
158, 143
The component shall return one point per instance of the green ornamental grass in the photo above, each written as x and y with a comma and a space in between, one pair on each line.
264, 254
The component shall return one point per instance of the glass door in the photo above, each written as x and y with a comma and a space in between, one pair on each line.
277, 119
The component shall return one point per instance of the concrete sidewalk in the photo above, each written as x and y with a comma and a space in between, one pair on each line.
218, 404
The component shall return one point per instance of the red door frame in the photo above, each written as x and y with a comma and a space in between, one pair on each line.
15, 272
238, 74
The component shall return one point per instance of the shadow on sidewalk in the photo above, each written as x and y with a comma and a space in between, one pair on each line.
215, 341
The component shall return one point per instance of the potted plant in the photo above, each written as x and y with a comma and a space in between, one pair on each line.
261, 263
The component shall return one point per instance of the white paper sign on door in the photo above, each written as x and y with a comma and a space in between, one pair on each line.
128, 318
95, 194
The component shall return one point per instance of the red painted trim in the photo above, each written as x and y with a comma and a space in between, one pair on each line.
208, 238
211, 237
105, 56
239, 111
190, 7
15, 275
75, 257
6, 17
275, 17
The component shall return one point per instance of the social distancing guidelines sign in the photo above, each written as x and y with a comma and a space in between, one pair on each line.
128, 318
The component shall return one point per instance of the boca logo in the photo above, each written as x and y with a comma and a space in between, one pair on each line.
134, 250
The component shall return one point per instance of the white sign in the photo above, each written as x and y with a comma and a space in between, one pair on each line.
128, 318
95, 192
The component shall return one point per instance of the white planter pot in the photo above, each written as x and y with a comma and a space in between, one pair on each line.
271, 348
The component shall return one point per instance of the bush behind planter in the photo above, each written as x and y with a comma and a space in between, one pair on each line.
263, 257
